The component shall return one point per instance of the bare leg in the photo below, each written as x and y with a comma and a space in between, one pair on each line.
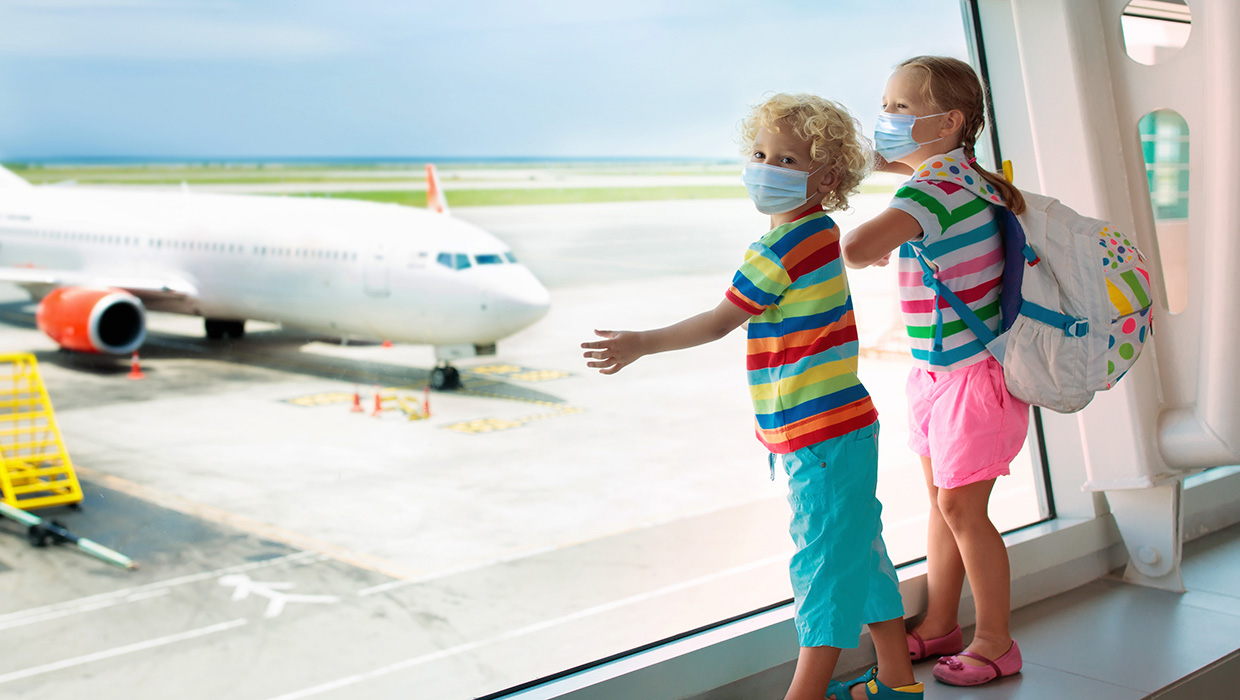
894, 667
944, 569
986, 562
815, 665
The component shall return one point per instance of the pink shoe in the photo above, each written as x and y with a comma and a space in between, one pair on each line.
919, 648
953, 671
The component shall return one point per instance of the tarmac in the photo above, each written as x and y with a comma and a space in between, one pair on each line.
541, 518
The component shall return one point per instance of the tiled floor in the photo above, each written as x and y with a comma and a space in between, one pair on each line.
1110, 640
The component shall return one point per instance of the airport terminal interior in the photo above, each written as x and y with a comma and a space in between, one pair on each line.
274, 513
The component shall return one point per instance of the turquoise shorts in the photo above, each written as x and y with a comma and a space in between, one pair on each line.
841, 575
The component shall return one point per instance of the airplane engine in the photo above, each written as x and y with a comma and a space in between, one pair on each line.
93, 319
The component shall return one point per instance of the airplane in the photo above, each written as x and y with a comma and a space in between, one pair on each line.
96, 260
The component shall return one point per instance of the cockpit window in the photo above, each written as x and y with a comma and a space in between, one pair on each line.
489, 259
511, 258
453, 261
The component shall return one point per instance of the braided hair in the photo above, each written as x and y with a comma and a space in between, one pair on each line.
949, 83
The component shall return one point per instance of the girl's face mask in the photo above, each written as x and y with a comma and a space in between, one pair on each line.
893, 135
776, 190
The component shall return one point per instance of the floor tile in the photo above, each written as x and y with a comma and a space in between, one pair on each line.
1228, 605
1212, 563
1124, 635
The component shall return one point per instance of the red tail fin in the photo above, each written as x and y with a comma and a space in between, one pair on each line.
435, 200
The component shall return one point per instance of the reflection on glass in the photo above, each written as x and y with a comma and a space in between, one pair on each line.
1155, 30
1164, 144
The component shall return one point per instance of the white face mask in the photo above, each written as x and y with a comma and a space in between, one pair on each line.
776, 190
893, 135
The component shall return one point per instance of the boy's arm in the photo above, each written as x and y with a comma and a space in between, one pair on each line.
872, 241
619, 349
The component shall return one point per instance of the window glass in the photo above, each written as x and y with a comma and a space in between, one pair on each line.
1164, 143
1155, 30
342, 530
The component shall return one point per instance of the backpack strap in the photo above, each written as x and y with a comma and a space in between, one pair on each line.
1072, 327
962, 310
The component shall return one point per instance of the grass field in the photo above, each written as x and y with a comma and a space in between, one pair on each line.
469, 184
581, 195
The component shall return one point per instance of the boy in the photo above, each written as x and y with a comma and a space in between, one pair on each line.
813, 414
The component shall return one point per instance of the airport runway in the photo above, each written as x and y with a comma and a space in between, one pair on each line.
464, 180
543, 517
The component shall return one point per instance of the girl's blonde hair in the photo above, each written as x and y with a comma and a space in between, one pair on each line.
833, 134
949, 83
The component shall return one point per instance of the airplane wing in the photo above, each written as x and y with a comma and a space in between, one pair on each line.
41, 280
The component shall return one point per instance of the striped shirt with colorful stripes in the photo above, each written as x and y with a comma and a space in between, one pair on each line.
962, 242
802, 349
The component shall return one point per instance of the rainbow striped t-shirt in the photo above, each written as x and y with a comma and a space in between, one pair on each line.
962, 242
802, 349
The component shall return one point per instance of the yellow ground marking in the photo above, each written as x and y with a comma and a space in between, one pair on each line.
505, 371
411, 405
538, 375
324, 399
519, 373
484, 425
490, 425
497, 369
507, 397
254, 527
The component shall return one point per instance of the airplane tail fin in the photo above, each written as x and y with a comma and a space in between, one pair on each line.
9, 179
435, 200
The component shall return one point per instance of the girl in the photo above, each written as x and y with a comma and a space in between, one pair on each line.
963, 422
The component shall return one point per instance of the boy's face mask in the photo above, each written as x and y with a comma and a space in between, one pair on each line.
776, 190
893, 135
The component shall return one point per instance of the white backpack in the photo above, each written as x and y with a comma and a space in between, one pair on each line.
1075, 305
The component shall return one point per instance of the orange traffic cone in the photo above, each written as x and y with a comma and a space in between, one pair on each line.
135, 370
378, 403
357, 401
386, 343
426, 402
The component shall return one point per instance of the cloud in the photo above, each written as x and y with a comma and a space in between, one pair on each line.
218, 30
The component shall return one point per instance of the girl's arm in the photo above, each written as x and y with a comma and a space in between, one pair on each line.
622, 348
872, 241
883, 165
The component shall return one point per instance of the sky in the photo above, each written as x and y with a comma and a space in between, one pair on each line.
414, 78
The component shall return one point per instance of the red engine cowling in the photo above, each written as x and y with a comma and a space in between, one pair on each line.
93, 319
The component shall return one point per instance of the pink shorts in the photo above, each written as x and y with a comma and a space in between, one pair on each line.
966, 422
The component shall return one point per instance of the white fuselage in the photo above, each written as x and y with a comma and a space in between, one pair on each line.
347, 268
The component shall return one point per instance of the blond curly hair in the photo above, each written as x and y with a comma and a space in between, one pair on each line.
833, 134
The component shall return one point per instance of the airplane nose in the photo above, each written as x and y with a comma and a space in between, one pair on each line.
520, 301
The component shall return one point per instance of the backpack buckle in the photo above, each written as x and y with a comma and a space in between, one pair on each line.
1077, 329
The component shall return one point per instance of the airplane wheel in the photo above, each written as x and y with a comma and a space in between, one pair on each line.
445, 378
222, 330
37, 536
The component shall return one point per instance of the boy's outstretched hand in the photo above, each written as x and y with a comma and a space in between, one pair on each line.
619, 349
609, 356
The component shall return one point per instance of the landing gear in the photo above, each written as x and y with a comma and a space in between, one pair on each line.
224, 330
445, 377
